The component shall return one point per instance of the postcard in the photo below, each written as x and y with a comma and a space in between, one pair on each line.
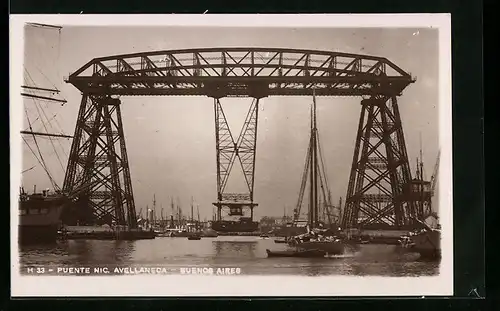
231, 155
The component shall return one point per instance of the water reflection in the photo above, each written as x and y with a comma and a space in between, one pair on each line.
249, 254
239, 249
79, 252
316, 266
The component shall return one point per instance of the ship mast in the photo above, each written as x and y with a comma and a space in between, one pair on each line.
313, 194
198, 211
420, 174
36, 93
162, 223
315, 173
192, 209
172, 225
154, 209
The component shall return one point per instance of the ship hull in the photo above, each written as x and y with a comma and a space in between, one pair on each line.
39, 220
289, 231
427, 244
233, 226
38, 234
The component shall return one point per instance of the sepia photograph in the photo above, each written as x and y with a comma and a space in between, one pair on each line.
290, 155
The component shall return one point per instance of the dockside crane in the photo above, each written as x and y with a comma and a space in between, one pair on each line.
140, 213
435, 173
433, 181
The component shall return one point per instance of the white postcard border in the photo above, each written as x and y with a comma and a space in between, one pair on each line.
240, 285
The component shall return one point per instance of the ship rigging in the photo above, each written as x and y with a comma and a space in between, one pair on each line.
41, 97
40, 213
314, 172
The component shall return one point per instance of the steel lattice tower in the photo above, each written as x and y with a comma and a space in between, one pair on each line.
378, 194
98, 173
228, 151
98, 176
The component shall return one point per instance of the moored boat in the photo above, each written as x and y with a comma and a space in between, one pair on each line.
427, 243
425, 240
317, 236
319, 239
39, 217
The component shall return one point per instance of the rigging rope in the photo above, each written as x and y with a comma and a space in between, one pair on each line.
321, 160
303, 182
41, 160
45, 126
51, 139
60, 144
53, 118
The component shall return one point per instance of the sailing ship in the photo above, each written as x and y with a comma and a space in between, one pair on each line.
194, 230
318, 238
40, 212
155, 225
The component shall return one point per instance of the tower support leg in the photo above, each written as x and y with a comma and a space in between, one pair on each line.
98, 173
378, 194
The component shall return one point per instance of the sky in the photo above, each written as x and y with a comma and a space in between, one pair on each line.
171, 140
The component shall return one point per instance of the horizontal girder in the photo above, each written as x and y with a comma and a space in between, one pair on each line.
255, 72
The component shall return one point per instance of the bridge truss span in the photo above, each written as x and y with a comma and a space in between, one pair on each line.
245, 72
378, 192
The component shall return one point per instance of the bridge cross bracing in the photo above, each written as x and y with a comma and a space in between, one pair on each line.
380, 172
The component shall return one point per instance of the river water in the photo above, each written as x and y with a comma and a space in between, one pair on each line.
246, 253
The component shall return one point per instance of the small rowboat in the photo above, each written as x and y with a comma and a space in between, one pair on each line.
299, 253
